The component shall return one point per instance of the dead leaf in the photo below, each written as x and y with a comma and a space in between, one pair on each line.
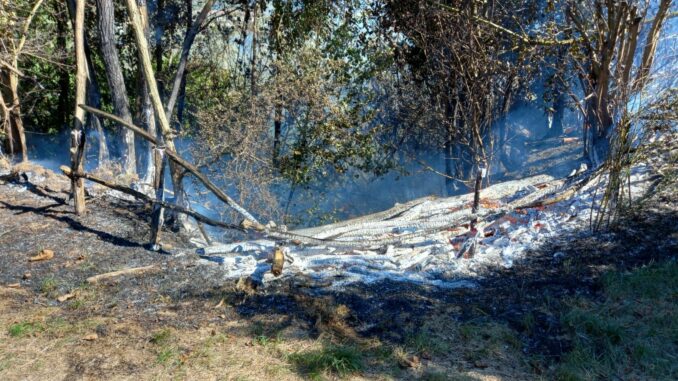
26, 276
14, 285
45, 254
65, 297
220, 304
91, 337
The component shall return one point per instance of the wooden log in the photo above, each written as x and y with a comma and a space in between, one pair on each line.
142, 197
113, 274
179, 160
158, 215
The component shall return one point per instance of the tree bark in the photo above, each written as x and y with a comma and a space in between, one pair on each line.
93, 94
15, 128
191, 33
149, 76
176, 159
160, 21
145, 107
181, 99
116, 82
77, 135
651, 45
63, 108
143, 197
158, 216
277, 131
17, 134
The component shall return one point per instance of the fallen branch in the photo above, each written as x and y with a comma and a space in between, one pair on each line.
145, 198
177, 159
135, 270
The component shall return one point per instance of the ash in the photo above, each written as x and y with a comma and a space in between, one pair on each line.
516, 218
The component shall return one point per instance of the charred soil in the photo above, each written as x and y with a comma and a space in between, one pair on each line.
185, 321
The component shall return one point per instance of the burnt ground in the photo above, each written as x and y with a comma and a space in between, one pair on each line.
187, 322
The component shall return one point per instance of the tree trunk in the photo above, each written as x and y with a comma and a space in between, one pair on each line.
158, 215
160, 21
185, 50
145, 107
5, 123
277, 131
651, 45
253, 69
64, 105
181, 99
449, 153
15, 127
92, 94
77, 135
149, 76
18, 135
557, 115
116, 82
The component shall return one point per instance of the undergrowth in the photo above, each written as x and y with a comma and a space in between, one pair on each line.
631, 334
340, 360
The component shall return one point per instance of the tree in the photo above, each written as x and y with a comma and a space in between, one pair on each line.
608, 33
78, 133
114, 75
13, 46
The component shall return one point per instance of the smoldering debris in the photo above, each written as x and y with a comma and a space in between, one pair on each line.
517, 217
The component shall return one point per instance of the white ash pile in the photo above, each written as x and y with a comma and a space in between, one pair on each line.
424, 241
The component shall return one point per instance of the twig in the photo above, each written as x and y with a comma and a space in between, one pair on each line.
145, 198
135, 270
177, 159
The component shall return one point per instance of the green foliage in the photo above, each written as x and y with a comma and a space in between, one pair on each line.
49, 285
425, 342
161, 337
339, 359
25, 328
632, 334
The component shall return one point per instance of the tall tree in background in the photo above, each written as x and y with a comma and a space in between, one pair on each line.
14, 43
608, 33
78, 133
115, 78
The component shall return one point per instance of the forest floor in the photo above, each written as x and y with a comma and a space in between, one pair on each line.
600, 307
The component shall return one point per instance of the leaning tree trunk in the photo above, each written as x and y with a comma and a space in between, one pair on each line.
149, 77
181, 99
189, 38
77, 135
145, 107
115, 79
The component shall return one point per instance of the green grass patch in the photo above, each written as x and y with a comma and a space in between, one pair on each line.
166, 356
446, 376
5, 363
49, 285
25, 328
340, 360
425, 342
264, 336
632, 334
161, 337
